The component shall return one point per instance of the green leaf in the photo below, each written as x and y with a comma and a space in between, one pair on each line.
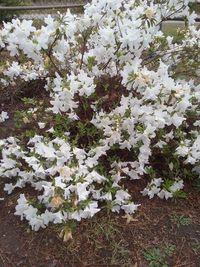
90, 63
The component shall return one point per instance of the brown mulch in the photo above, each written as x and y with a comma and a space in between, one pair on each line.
19, 246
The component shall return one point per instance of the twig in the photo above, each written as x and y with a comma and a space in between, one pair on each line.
108, 62
167, 17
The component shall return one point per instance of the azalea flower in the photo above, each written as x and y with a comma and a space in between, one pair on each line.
3, 116
149, 12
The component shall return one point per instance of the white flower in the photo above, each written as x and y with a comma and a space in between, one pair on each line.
51, 130
182, 151
177, 120
22, 206
2, 142
3, 116
107, 196
150, 12
145, 192
90, 210
58, 217
153, 188
9, 188
165, 194
59, 183
41, 125
82, 191
14, 70
178, 185
121, 195
157, 182
96, 177
65, 172
151, 192
130, 208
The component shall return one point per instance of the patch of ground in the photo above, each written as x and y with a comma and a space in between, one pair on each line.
107, 239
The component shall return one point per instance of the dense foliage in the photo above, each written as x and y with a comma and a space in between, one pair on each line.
9, 15
124, 105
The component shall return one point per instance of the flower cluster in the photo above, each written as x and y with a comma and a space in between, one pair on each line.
153, 188
119, 109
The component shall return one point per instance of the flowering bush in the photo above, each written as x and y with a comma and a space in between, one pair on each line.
124, 105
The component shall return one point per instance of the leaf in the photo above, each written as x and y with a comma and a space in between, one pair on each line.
169, 249
91, 62
153, 254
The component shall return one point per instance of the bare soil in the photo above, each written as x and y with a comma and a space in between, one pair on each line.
94, 241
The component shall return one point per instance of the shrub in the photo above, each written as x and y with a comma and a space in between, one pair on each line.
124, 106
9, 15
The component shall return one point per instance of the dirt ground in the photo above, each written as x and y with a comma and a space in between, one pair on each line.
106, 240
